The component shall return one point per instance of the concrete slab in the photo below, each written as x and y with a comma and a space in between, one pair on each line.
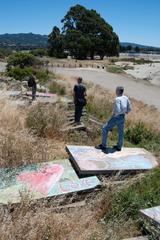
14, 93
42, 181
40, 94
88, 160
152, 214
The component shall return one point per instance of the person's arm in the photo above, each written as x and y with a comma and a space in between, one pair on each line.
129, 108
74, 92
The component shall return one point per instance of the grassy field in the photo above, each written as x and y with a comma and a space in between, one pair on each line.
33, 134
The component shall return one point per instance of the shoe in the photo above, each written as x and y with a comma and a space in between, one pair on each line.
101, 147
117, 148
106, 151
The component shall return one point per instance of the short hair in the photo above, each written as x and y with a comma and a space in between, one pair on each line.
120, 90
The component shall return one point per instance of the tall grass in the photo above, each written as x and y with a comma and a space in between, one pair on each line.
140, 194
46, 120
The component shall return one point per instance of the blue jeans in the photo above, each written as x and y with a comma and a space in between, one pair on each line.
114, 121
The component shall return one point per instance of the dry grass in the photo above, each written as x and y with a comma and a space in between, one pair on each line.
18, 146
38, 222
41, 140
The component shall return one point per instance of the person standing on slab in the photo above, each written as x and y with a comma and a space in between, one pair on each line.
121, 107
79, 94
33, 85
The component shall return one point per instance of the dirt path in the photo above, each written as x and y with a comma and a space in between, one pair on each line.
137, 89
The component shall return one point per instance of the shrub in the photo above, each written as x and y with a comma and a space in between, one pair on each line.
56, 87
138, 133
20, 73
114, 69
22, 60
40, 52
45, 121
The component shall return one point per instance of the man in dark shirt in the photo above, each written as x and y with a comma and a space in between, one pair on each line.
33, 85
79, 94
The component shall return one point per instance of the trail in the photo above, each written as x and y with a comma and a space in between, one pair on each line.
139, 89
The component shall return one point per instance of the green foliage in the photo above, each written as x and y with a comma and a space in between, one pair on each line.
56, 43
42, 76
85, 33
138, 133
20, 73
55, 87
40, 52
21, 60
114, 69
4, 53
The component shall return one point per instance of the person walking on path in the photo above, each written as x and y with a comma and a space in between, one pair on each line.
79, 94
122, 107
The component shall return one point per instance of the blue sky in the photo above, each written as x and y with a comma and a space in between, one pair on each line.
133, 20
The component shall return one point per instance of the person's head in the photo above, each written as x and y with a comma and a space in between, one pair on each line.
79, 80
119, 91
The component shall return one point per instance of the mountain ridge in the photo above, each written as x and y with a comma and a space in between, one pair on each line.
33, 40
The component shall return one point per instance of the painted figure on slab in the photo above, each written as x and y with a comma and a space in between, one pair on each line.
79, 94
121, 107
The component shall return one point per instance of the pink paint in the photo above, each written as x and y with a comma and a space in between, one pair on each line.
43, 180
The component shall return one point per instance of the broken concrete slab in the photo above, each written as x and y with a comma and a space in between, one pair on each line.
88, 160
152, 214
42, 180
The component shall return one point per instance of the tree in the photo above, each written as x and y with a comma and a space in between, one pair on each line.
84, 33
56, 43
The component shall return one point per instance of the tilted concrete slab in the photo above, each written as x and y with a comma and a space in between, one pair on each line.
42, 181
153, 214
88, 160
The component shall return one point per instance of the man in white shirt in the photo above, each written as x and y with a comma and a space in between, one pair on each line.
122, 107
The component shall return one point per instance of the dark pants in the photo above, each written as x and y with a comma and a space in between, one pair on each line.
34, 89
78, 113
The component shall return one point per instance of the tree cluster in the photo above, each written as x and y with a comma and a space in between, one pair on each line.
84, 34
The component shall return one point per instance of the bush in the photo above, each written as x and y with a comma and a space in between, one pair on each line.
4, 53
45, 121
22, 60
114, 69
56, 87
20, 73
39, 52
138, 133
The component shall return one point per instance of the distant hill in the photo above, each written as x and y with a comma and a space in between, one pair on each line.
26, 41
125, 44
23, 41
